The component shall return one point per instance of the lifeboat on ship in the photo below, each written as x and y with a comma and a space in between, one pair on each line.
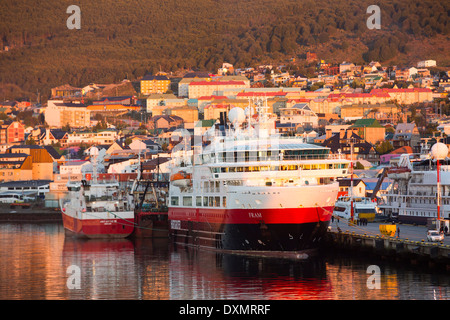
181, 179
399, 173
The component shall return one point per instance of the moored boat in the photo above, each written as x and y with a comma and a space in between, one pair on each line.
363, 208
97, 209
253, 190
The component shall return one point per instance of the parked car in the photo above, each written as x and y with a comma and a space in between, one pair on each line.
434, 235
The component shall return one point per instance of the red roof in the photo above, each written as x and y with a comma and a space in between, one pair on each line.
358, 95
300, 100
261, 94
217, 83
212, 97
217, 106
386, 90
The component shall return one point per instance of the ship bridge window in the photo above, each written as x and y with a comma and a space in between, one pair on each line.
216, 201
174, 201
187, 201
205, 201
217, 184
232, 169
198, 201
224, 201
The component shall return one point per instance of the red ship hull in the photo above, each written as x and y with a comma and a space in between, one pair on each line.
273, 229
98, 228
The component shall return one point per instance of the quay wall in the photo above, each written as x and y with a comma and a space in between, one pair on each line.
32, 213
391, 248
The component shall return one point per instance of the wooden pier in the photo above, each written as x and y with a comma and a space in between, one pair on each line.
410, 245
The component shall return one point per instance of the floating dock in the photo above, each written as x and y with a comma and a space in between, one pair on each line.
409, 245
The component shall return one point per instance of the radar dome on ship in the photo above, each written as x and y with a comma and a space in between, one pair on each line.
236, 115
439, 151
94, 151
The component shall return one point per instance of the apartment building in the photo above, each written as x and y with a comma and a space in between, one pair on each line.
59, 113
154, 84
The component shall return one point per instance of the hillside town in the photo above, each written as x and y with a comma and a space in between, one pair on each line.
370, 113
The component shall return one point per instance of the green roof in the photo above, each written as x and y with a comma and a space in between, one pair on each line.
205, 123
361, 123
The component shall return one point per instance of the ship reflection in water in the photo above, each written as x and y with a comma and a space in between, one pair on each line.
36, 259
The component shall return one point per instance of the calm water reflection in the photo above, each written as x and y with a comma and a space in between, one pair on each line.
35, 259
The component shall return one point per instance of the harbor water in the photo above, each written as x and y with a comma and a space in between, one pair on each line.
39, 263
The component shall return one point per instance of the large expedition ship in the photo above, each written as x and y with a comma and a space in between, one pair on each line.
416, 194
246, 187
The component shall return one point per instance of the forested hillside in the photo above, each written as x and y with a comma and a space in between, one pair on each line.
128, 38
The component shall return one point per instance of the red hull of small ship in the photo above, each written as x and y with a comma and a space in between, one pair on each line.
274, 229
98, 228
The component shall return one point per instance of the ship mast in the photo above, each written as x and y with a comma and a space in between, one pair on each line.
351, 181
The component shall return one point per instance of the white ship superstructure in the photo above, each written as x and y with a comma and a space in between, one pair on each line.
252, 189
413, 197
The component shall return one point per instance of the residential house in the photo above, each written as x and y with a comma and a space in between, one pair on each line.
154, 84
59, 113
66, 91
106, 136
209, 88
299, 114
44, 136
426, 64
57, 158
144, 145
343, 141
122, 100
16, 166
12, 132
205, 100
165, 122
346, 66
41, 161
355, 186
227, 68
163, 99
379, 111
407, 96
370, 130
111, 110
406, 134
213, 111
117, 147
187, 113
183, 85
